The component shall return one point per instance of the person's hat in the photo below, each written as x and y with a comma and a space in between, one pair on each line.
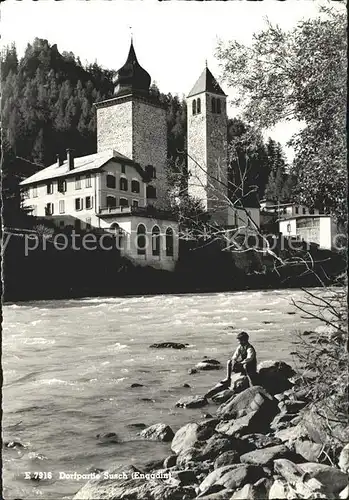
242, 335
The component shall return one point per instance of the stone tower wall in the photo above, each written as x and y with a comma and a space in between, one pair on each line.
114, 127
196, 125
207, 144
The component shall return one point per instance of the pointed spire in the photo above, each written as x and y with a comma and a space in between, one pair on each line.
131, 76
206, 83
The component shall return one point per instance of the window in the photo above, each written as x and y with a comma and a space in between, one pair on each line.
78, 203
49, 209
111, 181
150, 171
151, 192
62, 186
111, 201
194, 107
35, 191
169, 242
304, 211
198, 108
123, 184
88, 181
88, 202
119, 234
213, 104
61, 223
155, 240
123, 169
288, 228
88, 223
141, 239
49, 188
135, 187
78, 182
311, 211
135, 204
123, 202
219, 109
296, 210
61, 206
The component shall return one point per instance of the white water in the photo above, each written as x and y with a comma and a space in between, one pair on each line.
68, 366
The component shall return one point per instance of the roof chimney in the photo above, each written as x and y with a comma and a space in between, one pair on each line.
59, 161
70, 158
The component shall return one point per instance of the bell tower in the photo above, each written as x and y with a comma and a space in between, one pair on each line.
133, 123
207, 146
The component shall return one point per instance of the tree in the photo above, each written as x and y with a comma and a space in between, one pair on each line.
300, 74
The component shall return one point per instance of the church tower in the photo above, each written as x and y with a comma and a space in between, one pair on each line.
133, 123
207, 146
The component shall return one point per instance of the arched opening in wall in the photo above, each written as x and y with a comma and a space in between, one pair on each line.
119, 234
169, 242
141, 239
198, 109
111, 181
213, 104
194, 106
155, 240
123, 184
219, 106
111, 202
124, 202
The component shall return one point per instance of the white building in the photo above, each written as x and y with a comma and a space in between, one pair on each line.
122, 187
312, 228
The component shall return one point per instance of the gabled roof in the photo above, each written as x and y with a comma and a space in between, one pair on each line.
81, 165
206, 83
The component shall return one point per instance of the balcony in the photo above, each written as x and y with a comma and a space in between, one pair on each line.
148, 211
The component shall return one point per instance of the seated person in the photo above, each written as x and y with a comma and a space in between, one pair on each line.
243, 361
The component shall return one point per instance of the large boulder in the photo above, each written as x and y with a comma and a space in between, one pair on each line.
332, 478
307, 449
217, 444
266, 456
258, 441
130, 482
215, 475
274, 375
278, 490
192, 402
236, 478
241, 426
227, 458
223, 396
253, 399
188, 435
158, 432
256, 491
343, 462
291, 434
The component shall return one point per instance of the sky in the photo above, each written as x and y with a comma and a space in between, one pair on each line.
172, 39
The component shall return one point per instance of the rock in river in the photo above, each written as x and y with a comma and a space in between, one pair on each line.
169, 345
192, 402
158, 432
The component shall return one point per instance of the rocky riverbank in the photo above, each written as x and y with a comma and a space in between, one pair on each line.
261, 443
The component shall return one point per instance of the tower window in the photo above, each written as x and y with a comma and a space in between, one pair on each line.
198, 109
111, 182
151, 192
213, 104
123, 184
194, 106
219, 109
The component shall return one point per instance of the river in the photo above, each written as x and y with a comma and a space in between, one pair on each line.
68, 366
